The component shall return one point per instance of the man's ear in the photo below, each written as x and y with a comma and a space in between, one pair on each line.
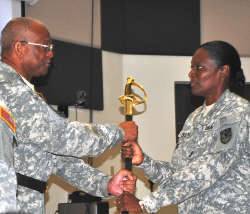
224, 71
19, 49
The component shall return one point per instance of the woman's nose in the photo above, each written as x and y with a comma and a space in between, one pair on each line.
191, 73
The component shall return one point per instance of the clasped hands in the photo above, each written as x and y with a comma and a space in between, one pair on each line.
123, 184
124, 180
127, 201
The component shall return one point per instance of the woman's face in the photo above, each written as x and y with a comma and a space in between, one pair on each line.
204, 76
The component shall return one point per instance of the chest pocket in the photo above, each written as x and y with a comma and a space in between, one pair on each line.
184, 146
225, 132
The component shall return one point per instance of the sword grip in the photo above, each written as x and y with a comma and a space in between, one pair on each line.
128, 161
128, 164
128, 117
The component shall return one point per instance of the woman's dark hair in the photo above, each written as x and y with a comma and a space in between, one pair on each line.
225, 54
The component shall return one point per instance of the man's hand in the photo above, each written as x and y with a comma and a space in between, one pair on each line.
130, 129
131, 149
128, 202
122, 181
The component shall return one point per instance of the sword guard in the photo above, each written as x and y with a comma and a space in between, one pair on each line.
130, 97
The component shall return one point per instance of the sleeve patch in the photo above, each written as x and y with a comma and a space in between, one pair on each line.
7, 117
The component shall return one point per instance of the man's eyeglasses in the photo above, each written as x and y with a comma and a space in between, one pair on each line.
48, 48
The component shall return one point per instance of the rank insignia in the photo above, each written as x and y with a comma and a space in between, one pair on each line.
225, 135
6, 116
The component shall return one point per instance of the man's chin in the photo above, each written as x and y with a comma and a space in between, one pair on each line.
42, 73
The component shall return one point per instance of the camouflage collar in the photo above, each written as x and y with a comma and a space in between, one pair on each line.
220, 103
10, 75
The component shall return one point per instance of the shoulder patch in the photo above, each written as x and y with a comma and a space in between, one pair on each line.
7, 117
225, 135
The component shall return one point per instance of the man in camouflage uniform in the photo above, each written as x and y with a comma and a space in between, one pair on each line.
8, 183
48, 143
210, 168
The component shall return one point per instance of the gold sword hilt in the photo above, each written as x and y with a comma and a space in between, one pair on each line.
129, 99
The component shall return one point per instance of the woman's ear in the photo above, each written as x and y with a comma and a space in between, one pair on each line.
224, 71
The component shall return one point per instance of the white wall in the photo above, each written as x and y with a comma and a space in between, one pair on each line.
62, 17
226, 20
9, 9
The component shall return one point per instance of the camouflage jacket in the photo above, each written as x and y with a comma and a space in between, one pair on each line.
210, 168
8, 184
44, 139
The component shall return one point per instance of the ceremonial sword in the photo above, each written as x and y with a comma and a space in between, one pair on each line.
128, 100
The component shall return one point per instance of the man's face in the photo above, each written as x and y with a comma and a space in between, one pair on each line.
36, 60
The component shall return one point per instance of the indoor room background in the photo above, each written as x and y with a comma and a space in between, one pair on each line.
148, 41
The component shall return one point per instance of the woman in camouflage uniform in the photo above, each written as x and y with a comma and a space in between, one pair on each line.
210, 168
